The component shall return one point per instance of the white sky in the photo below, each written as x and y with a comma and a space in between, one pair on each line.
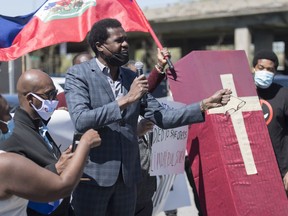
23, 7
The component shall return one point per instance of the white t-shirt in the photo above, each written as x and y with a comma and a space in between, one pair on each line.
13, 206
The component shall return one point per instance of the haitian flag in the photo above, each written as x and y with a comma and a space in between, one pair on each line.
58, 21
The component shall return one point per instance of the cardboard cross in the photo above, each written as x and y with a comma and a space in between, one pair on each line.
220, 149
252, 104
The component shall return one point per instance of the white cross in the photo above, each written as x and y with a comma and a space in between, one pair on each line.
252, 104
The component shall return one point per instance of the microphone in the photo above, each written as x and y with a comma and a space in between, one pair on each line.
139, 68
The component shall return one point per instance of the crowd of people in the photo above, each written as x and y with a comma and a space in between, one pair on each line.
113, 108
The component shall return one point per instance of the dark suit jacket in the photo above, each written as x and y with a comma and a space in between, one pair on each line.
27, 141
91, 104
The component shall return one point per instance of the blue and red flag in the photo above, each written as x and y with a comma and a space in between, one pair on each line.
58, 21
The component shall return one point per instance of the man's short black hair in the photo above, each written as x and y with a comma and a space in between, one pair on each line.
99, 32
266, 54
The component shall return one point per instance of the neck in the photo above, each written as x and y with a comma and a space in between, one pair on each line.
113, 69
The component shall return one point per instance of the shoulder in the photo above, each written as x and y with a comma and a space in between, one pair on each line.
84, 66
10, 144
128, 70
283, 94
7, 163
12, 163
281, 89
5, 168
128, 73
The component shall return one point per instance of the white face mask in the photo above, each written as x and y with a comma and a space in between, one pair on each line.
263, 79
47, 108
10, 126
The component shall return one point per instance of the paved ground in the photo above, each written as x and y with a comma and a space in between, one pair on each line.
186, 211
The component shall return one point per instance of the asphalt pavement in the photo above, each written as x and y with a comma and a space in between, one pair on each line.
185, 211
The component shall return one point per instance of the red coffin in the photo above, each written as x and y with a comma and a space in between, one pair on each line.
223, 185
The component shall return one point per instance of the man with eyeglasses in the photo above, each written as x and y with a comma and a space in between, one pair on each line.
30, 138
274, 102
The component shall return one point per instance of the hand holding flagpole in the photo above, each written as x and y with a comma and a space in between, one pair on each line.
159, 45
170, 64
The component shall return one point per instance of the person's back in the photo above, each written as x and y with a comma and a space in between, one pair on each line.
13, 206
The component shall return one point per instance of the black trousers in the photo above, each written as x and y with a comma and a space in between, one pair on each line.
192, 184
145, 192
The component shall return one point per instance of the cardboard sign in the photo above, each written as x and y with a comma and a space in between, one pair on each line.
168, 146
61, 129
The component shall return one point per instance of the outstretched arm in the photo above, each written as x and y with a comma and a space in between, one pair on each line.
22, 177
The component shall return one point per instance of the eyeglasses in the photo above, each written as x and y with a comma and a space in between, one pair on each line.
51, 95
233, 110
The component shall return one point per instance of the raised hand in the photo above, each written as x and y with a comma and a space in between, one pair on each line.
218, 99
91, 137
144, 126
161, 54
138, 88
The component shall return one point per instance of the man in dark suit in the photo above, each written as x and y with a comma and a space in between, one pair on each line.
103, 95
37, 94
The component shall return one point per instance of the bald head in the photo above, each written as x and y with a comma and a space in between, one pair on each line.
35, 81
82, 57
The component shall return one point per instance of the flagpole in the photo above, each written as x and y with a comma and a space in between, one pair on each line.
23, 63
169, 62
151, 31
11, 73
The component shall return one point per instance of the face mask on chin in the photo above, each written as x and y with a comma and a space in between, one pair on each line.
47, 108
263, 79
10, 126
117, 59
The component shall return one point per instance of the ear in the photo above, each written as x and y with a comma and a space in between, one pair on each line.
29, 98
99, 46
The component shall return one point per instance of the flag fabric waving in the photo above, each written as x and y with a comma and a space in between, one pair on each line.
58, 21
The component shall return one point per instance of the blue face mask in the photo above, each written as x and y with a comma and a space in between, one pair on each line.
263, 79
10, 126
